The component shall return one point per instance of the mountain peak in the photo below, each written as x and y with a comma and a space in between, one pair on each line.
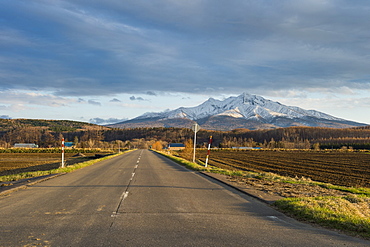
248, 110
252, 99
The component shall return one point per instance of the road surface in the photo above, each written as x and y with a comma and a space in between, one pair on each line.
143, 199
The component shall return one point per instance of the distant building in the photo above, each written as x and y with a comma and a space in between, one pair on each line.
246, 148
176, 146
68, 144
25, 145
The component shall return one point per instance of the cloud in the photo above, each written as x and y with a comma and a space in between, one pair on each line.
136, 98
72, 48
93, 102
101, 121
115, 100
151, 93
32, 98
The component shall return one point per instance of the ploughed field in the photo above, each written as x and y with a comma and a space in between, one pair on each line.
339, 168
14, 163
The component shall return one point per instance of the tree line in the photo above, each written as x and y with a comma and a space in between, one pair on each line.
292, 137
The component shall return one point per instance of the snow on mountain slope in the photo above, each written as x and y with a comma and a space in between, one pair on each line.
243, 106
235, 113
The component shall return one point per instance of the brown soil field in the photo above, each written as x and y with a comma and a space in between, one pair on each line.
338, 168
14, 163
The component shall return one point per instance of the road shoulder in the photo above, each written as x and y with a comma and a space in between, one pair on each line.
242, 187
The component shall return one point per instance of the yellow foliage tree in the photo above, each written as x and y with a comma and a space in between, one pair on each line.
157, 146
188, 151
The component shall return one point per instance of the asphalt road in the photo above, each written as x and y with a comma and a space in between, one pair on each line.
143, 199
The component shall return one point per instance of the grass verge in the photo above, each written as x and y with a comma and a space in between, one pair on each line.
349, 214
66, 169
200, 167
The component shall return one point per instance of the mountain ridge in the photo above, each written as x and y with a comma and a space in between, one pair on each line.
243, 111
52, 125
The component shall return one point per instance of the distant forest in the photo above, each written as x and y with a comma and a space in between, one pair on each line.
48, 133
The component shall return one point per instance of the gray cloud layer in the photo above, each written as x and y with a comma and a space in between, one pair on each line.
77, 48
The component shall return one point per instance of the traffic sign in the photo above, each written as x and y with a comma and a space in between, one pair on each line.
195, 127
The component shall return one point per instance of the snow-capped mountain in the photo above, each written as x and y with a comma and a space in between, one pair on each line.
243, 111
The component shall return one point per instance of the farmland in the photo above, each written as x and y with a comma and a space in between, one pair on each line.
39, 160
335, 167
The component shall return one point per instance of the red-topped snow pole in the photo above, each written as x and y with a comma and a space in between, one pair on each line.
62, 152
209, 150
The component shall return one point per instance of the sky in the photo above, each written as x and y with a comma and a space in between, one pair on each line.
113, 60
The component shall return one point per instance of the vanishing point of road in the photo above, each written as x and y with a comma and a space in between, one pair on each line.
143, 199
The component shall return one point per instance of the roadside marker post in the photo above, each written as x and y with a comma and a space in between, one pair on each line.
195, 128
62, 152
209, 150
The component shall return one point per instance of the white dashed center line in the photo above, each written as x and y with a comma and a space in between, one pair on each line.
125, 193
